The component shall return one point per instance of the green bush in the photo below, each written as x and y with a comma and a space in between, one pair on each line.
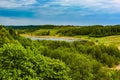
18, 63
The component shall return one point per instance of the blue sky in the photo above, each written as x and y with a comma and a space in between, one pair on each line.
60, 12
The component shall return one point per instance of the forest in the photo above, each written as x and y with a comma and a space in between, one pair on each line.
69, 30
25, 59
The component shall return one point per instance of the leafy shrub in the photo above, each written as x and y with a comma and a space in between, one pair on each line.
18, 63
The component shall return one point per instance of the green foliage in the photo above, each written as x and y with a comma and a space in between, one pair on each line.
19, 63
92, 31
25, 42
43, 33
107, 55
5, 37
83, 58
110, 74
24, 59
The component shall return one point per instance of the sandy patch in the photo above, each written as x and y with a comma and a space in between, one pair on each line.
118, 67
119, 47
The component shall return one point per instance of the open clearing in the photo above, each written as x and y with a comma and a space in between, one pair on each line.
108, 40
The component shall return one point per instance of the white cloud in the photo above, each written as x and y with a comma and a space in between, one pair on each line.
16, 3
95, 5
110, 6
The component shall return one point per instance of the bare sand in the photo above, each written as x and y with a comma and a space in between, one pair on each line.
119, 47
118, 67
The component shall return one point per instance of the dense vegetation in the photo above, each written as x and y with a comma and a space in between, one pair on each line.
21, 58
92, 31
18, 62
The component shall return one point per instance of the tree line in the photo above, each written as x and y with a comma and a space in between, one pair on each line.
69, 30
92, 31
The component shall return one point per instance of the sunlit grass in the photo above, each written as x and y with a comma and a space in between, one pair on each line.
108, 40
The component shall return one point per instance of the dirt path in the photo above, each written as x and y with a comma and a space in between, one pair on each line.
119, 47
118, 67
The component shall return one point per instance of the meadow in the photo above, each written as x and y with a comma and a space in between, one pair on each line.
107, 40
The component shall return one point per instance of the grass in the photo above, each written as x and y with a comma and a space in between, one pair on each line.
52, 31
108, 40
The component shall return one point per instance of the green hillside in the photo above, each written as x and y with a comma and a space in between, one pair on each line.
24, 59
20, 63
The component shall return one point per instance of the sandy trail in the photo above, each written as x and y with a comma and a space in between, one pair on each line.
118, 67
119, 47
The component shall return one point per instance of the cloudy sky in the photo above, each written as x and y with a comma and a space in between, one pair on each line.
61, 12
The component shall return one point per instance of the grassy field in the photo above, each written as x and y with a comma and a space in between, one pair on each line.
108, 40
